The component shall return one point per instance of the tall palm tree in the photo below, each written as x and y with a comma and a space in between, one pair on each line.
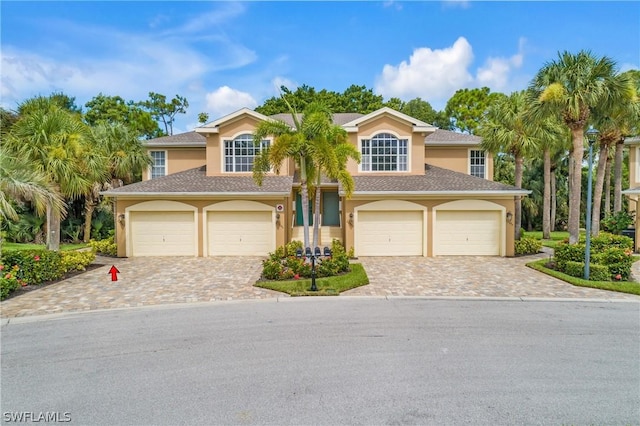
288, 143
570, 88
614, 125
125, 158
508, 129
54, 141
330, 150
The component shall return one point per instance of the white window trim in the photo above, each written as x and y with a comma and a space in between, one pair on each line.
469, 161
223, 139
391, 132
166, 162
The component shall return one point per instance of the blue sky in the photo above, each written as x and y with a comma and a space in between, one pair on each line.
226, 55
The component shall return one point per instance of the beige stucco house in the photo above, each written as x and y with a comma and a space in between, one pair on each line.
419, 191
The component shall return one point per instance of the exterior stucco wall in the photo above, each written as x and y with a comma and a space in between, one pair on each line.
199, 204
179, 159
349, 207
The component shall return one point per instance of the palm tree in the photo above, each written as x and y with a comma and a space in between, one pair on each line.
54, 140
508, 129
570, 88
330, 150
125, 159
289, 143
613, 125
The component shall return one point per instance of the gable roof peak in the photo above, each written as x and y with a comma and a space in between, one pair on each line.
213, 126
418, 125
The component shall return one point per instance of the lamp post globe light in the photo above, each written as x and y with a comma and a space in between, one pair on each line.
592, 136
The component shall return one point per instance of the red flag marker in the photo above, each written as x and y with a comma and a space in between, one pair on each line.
114, 273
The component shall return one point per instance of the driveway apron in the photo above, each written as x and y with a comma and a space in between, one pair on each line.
168, 280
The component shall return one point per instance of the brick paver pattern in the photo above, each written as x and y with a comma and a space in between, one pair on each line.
156, 280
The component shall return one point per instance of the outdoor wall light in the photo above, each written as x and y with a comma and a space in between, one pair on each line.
121, 219
351, 219
509, 217
277, 220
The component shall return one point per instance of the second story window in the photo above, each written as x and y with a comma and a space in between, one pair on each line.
384, 152
240, 152
477, 166
159, 165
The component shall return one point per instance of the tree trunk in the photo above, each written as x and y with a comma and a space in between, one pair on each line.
607, 186
518, 184
597, 190
53, 229
305, 201
316, 215
546, 203
617, 178
90, 206
554, 200
575, 185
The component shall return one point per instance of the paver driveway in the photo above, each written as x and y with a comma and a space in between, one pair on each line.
157, 280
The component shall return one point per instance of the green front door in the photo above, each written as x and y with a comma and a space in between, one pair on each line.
299, 211
330, 209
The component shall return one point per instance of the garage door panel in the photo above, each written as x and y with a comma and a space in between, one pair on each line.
162, 233
240, 233
390, 233
468, 233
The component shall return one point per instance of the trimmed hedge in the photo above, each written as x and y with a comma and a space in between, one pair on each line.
615, 252
527, 245
106, 247
596, 272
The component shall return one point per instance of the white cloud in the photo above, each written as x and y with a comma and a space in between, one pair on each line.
496, 73
278, 82
226, 100
435, 75
430, 74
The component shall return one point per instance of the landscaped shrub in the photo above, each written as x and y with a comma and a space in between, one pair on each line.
615, 252
36, 266
619, 261
596, 272
9, 281
76, 260
284, 265
527, 245
105, 247
618, 222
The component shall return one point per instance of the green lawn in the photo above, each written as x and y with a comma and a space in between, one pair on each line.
329, 286
630, 287
556, 237
21, 246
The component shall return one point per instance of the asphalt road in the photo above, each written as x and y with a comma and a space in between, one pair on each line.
330, 361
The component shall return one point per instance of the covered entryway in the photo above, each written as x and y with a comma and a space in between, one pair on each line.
156, 229
471, 231
392, 232
240, 228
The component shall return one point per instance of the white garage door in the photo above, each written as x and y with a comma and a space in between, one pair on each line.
240, 233
467, 232
162, 233
389, 233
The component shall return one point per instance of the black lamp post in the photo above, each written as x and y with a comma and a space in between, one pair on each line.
313, 256
592, 136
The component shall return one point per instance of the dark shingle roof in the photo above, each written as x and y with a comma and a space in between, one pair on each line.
181, 139
196, 181
435, 179
446, 136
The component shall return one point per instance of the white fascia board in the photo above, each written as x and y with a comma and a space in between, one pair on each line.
192, 194
438, 193
417, 124
632, 191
